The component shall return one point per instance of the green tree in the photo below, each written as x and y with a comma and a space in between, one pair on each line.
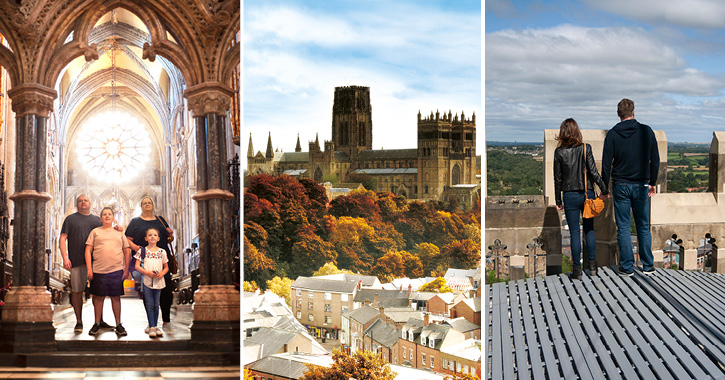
362, 365
281, 287
439, 285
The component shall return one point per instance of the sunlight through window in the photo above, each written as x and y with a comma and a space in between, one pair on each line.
113, 146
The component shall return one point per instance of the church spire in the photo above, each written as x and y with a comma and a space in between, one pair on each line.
298, 148
269, 147
250, 149
317, 142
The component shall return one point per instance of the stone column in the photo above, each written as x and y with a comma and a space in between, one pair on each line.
216, 303
27, 324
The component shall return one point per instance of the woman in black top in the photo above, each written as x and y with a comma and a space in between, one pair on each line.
569, 166
136, 233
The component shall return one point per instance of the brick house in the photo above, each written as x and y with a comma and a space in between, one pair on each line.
359, 320
469, 308
319, 303
441, 304
382, 338
464, 357
468, 329
407, 348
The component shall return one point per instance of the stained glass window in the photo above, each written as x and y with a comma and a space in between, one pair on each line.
113, 146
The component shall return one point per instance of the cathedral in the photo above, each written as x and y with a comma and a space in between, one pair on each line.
443, 166
119, 100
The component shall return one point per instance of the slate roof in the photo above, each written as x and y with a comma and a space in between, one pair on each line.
469, 349
414, 324
473, 303
402, 314
388, 154
363, 314
446, 297
295, 157
459, 273
289, 365
272, 339
295, 172
388, 298
387, 171
434, 331
462, 325
341, 157
668, 324
366, 280
323, 285
383, 333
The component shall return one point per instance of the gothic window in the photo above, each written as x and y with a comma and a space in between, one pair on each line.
456, 175
426, 189
318, 175
361, 133
113, 145
343, 133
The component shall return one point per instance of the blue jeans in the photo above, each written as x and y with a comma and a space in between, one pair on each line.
573, 207
635, 197
151, 302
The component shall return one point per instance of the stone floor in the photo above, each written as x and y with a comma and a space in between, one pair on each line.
211, 373
133, 318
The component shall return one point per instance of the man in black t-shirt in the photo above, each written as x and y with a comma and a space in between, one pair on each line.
75, 231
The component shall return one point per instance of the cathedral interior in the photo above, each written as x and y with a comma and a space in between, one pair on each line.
118, 100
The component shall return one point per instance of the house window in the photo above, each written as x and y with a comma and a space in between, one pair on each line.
310, 293
299, 314
309, 306
422, 340
410, 336
343, 297
432, 359
431, 343
344, 309
299, 304
422, 360
445, 363
465, 368
328, 296
328, 319
310, 317
328, 307
299, 292
458, 367
405, 353
404, 334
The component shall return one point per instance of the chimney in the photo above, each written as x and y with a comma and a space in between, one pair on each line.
410, 289
377, 300
359, 285
366, 302
426, 319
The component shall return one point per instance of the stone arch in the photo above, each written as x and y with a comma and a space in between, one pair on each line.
456, 174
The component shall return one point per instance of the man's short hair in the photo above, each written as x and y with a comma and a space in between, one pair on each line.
625, 108
81, 195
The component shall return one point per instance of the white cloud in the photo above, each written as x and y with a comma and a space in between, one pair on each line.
690, 13
537, 77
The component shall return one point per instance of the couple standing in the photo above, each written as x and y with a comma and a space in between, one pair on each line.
631, 160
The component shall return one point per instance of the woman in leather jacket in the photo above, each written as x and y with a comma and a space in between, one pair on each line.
569, 166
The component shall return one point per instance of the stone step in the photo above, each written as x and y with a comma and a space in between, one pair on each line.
122, 345
137, 359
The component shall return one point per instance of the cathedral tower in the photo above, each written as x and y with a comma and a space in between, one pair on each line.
446, 152
352, 124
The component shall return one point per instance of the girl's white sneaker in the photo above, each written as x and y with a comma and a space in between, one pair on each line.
152, 332
146, 330
159, 332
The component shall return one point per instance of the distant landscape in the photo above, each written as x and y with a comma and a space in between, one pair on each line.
517, 168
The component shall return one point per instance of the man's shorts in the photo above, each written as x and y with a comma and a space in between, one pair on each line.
107, 284
78, 279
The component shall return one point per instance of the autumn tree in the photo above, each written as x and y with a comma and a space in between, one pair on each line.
368, 181
349, 236
439, 285
429, 255
250, 286
462, 376
310, 252
257, 266
397, 264
329, 268
463, 254
362, 365
357, 204
281, 287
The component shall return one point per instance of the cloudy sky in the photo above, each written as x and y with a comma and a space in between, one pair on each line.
413, 55
546, 61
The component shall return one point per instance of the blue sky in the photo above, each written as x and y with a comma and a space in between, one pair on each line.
546, 61
414, 55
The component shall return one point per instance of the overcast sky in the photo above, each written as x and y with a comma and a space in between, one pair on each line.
546, 61
413, 55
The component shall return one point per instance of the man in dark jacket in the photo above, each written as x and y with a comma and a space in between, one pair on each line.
632, 160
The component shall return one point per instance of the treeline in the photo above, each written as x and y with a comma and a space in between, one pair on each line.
290, 231
513, 174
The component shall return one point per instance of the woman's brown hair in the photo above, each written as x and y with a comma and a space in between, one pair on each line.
569, 134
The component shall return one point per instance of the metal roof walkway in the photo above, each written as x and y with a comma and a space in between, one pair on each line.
667, 325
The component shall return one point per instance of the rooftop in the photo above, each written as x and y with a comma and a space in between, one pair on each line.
321, 284
670, 324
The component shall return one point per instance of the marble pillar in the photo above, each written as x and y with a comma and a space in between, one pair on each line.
216, 303
27, 324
